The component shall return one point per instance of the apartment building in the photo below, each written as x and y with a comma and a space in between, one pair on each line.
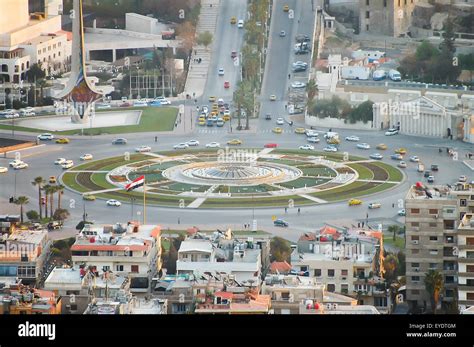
130, 250
385, 17
466, 261
21, 299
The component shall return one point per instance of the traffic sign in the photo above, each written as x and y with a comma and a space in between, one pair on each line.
274, 218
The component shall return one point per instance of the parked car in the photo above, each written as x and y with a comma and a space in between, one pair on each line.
402, 212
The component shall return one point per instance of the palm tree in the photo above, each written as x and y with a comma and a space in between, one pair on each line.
311, 89
434, 284
38, 182
60, 191
21, 200
47, 191
52, 190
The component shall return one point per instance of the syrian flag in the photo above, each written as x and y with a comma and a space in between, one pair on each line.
138, 182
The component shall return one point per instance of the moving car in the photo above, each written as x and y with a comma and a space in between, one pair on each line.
298, 84
270, 145
221, 71
401, 150
67, 164
193, 143
27, 112
277, 130
280, 223
282, 33
352, 138
62, 140
376, 156
140, 103
414, 159
373, 205
213, 145
162, 100
462, 178
299, 68
268, 116
240, 23
302, 38
273, 97
15, 162
102, 106
396, 156
3, 169
142, 149
226, 84
212, 99
233, 20
333, 141
181, 146
300, 130
363, 145
202, 122
88, 197
307, 147
402, 212
381, 146
113, 202
233, 54
60, 161
280, 121
20, 166
391, 131
234, 142
427, 174
330, 149
311, 133
354, 202
46, 136
402, 164
313, 139
430, 179
286, 8
86, 156
52, 180
119, 141
434, 167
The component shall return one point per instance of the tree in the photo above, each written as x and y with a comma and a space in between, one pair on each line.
60, 191
38, 182
394, 229
280, 249
311, 89
61, 214
391, 267
186, 32
52, 190
21, 201
434, 285
35, 73
204, 39
47, 189
32, 215
448, 37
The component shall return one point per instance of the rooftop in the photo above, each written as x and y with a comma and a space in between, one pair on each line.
196, 245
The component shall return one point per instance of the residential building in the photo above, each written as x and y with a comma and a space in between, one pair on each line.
22, 299
226, 302
132, 250
133, 306
465, 250
313, 306
177, 290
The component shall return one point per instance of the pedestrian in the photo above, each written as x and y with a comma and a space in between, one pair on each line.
358, 224
299, 210
393, 205
286, 209
363, 224
286, 106
156, 138
200, 59
179, 221
289, 75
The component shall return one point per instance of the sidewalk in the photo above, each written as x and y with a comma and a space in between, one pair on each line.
197, 74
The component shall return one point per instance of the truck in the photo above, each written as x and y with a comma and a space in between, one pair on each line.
394, 75
421, 167
379, 75
355, 73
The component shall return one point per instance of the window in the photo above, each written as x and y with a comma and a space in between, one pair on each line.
433, 266
367, 2
415, 224
469, 268
433, 224
433, 211
449, 224
463, 202
59, 54
415, 264
415, 278
433, 238
317, 272
399, 3
415, 251
331, 288
344, 272
134, 268
106, 268
367, 14
470, 241
119, 268
331, 272
415, 238
384, 3
344, 288
415, 291
303, 268
6, 270
415, 211
367, 27
180, 307
433, 251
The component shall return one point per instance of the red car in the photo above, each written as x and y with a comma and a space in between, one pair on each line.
271, 145
125, 104
226, 84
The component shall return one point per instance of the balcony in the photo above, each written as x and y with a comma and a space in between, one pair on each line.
466, 274
466, 247
465, 287
465, 260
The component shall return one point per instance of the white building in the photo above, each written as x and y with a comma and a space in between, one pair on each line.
466, 261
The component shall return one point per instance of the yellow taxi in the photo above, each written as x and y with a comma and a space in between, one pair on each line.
233, 20
401, 151
88, 197
226, 117
382, 146
354, 202
277, 130
52, 179
234, 142
202, 122
62, 140
286, 8
333, 141
273, 97
202, 119
212, 98
300, 130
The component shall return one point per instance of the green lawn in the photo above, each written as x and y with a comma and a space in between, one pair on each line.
69, 180
398, 243
364, 173
99, 179
393, 173
302, 181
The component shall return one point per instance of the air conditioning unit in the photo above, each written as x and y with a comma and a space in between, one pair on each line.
415, 242
344, 278
436, 216
416, 269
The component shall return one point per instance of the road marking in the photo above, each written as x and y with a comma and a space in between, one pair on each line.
312, 198
103, 191
155, 155
196, 203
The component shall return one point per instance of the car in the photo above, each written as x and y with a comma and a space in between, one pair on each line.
277, 130
45, 136
396, 156
182, 145
333, 141
213, 145
226, 116
376, 156
240, 24
427, 174
311, 133
381, 146
391, 131
373, 205
462, 178
280, 121
142, 149
140, 103
202, 122
282, 33
402, 212
3, 169
88, 197
363, 145
273, 97
402, 164
234, 142
307, 147
210, 122
430, 179
86, 156
434, 167
300, 130
354, 202
233, 20
226, 84
312, 139
193, 143
162, 100
301, 51
15, 162
414, 159
67, 164
62, 140
60, 161
268, 116
28, 112
233, 54
125, 104
330, 149
212, 99
20, 166
119, 141
298, 84
401, 151
352, 138
300, 63
280, 223
330, 135
286, 8
102, 106
302, 38
220, 122
270, 145
299, 68
113, 202
221, 71
52, 180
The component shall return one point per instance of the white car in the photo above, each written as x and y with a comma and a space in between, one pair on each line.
402, 164
46, 136
60, 161
192, 143
391, 132
102, 106
221, 71
414, 159
181, 146
140, 103
376, 156
240, 23
313, 139
213, 145
67, 164
363, 146
163, 100
462, 178
307, 147
330, 149
352, 138
298, 84
280, 121
86, 156
15, 162
27, 112
142, 149
113, 202
20, 166
3, 169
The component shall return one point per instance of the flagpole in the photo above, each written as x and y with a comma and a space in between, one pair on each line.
144, 203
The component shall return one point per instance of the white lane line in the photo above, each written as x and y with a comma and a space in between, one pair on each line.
312, 198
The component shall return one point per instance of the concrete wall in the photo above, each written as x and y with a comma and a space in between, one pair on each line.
336, 123
13, 14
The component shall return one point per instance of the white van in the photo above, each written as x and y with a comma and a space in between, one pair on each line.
394, 75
